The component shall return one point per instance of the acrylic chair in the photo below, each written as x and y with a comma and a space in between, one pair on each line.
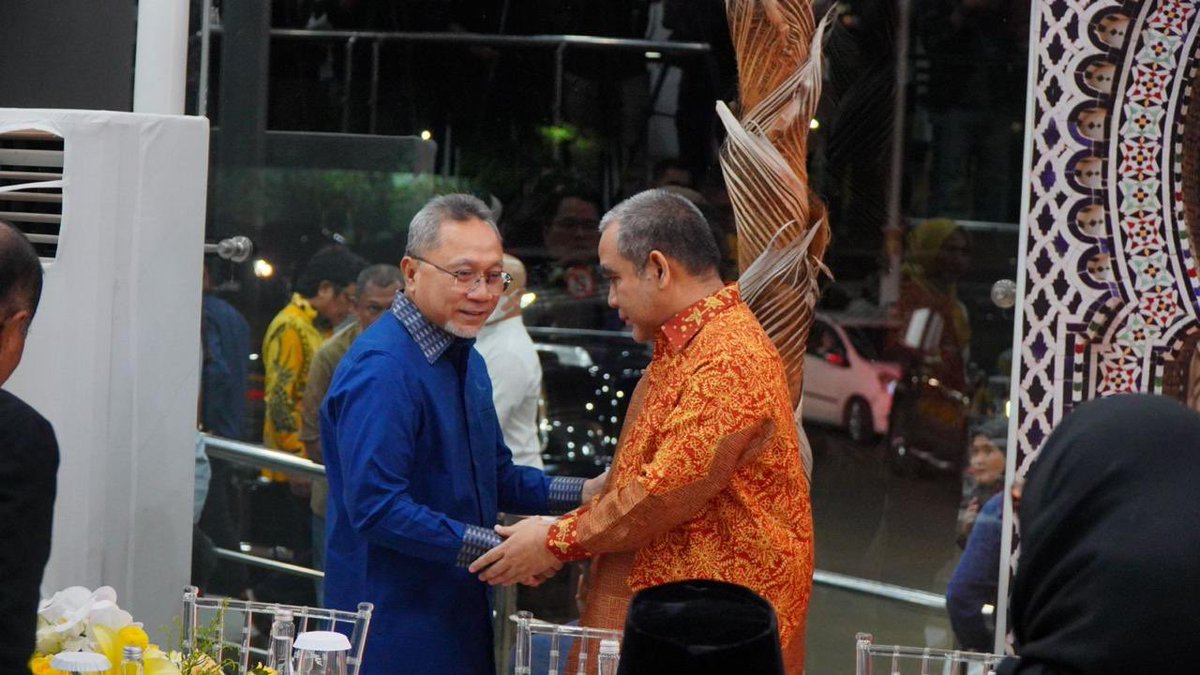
233, 625
586, 638
873, 659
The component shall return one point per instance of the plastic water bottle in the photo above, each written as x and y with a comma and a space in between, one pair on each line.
283, 633
610, 654
131, 661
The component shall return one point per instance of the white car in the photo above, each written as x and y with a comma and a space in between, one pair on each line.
845, 381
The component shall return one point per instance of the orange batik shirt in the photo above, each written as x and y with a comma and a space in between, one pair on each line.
707, 481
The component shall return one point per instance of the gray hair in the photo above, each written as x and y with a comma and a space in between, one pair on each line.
380, 276
427, 224
658, 220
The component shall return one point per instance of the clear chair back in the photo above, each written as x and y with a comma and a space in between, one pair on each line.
236, 630
873, 659
558, 641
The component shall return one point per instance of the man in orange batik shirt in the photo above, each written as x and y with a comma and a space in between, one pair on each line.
707, 481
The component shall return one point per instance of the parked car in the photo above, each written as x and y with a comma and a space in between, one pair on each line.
846, 382
587, 380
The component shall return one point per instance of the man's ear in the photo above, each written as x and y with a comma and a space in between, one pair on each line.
19, 320
12, 332
408, 269
657, 267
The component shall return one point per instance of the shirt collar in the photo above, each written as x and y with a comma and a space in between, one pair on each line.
679, 330
432, 339
304, 307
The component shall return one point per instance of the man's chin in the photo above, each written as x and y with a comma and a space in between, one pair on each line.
463, 331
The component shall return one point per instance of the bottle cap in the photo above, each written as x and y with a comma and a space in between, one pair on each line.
323, 641
80, 662
610, 647
132, 653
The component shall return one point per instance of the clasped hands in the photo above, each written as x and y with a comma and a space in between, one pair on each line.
521, 558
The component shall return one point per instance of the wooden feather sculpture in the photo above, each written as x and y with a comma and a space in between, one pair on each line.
782, 233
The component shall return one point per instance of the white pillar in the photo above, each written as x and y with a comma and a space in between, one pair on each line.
160, 63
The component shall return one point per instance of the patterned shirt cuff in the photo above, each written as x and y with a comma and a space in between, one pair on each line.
563, 541
476, 541
565, 494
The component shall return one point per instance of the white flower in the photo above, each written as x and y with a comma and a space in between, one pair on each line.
63, 602
64, 620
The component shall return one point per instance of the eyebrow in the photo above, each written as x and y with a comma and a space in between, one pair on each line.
467, 262
607, 271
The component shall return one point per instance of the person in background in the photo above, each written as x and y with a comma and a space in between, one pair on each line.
28, 461
376, 285
570, 239
416, 461
670, 172
225, 346
938, 255
1108, 579
323, 298
930, 412
325, 291
516, 373
553, 230
829, 348
984, 476
976, 581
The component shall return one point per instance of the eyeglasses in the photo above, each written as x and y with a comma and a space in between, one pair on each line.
467, 281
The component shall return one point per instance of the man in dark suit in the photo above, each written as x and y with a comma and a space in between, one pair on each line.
28, 461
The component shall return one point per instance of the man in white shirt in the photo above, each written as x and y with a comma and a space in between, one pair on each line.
516, 373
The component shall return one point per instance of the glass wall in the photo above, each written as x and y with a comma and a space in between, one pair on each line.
334, 120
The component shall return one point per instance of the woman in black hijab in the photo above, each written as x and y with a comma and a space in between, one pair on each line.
1108, 579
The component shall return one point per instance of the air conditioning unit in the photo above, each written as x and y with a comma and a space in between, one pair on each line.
114, 203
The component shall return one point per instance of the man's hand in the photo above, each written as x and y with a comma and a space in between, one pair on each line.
593, 486
521, 557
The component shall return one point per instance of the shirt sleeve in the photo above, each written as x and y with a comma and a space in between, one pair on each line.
373, 423
319, 376
976, 579
283, 354
476, 541
701, 443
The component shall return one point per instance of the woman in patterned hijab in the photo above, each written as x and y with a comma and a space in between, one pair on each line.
1108, 579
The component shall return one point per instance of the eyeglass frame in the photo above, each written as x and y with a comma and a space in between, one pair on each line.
478, 277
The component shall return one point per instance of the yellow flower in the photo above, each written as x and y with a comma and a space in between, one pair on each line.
260, 669
40, 665
157, 663
133, 636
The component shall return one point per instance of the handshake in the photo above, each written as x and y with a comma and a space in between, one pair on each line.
523, 557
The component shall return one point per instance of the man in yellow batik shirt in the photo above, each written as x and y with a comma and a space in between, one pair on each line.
323, 298
707, 482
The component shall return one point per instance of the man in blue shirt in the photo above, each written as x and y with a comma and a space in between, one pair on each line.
226, 350
416, 460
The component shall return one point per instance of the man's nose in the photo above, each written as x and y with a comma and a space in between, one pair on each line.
479, 291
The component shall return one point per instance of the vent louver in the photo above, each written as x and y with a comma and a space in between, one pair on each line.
31, 194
